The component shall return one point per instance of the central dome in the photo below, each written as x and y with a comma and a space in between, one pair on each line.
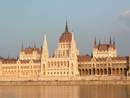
66, 36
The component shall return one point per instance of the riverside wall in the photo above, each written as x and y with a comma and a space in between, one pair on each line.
48, 81
65, 83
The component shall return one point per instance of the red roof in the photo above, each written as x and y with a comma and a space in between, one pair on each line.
104, 46
66, 37
84, 58
119, 58
9, 61
30, 50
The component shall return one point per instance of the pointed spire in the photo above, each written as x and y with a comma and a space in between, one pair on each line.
74, 52
45, 41
99, 43
45, 44
91, 54
114, 44
34, 45
29, 46
41, 47
45, 53
110, 40
95, 42
66, 27
22, 47
72, 40
8, 57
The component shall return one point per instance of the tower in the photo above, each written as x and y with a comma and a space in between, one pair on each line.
105, 50
66, 27
44, 57
22, 47
99, 43
73, 56
45, 53
74, 51
114, 44
64, 45
110, 42
95, 42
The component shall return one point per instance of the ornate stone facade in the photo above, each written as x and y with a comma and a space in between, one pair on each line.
104, 50
66, 63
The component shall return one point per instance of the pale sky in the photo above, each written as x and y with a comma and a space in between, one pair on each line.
26, 21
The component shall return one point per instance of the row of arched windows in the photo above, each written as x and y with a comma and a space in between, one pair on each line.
59, 73
109, 71
58, 64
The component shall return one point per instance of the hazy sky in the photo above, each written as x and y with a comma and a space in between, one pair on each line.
25, 21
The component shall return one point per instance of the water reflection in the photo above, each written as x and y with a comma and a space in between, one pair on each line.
105, 91
89, 91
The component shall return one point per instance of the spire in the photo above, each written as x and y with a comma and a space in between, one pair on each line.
45, 45
66, 27
45, 53
95, 42
114, 44
73, 43
34, 45
73, 48
110, 40
72, 36
8, 57
91, 54
99, 43
22, 47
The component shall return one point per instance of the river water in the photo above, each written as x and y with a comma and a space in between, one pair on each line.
86, 91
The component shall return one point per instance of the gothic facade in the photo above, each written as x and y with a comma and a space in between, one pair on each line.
66, 63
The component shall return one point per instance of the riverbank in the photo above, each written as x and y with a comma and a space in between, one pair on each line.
60, 83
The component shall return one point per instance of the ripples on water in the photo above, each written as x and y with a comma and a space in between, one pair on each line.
87, 91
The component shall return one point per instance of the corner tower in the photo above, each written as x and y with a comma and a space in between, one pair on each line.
105, 50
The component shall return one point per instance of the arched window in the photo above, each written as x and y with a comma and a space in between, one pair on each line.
89, 71
113, 71
101, 71
83, 72
93, 71
117, 71
97, 71
109, 71
105, 71
86, 71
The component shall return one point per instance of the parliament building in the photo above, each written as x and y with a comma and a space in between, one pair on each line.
35, 64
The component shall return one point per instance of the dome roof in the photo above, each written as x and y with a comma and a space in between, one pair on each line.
66, 36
